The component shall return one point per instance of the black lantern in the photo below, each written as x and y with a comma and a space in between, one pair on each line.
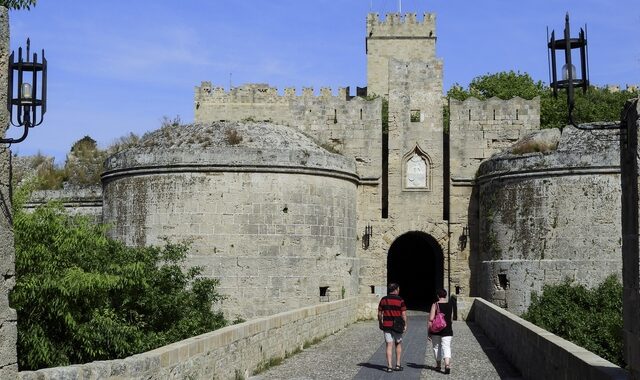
462, 240
368, 231
26, 92
570, 80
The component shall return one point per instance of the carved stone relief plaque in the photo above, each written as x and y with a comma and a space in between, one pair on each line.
416, 172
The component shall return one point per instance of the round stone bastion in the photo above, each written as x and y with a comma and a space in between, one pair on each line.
549, 209
268, 212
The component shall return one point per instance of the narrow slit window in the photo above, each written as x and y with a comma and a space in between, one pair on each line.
335, 116
517, 113
469, 114
360, 113
494, 114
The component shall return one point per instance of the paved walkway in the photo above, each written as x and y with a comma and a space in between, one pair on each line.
357, 352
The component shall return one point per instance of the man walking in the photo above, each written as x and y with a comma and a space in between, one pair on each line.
392, 318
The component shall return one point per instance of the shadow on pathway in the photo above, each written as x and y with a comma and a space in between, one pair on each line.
357, 352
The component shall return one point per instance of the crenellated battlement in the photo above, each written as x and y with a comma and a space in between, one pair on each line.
397, 25
514, 110
263, 93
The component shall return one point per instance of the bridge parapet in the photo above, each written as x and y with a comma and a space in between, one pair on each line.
232, 352
537, 353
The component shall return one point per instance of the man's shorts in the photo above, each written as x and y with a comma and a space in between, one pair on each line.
392, 336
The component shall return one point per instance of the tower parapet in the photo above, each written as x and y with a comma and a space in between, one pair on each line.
402, 38
261, 93
397, 25
473, 113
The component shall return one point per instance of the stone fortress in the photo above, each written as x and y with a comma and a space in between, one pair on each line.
292, 199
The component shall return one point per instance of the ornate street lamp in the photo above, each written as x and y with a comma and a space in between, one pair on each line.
569, 80
26, 92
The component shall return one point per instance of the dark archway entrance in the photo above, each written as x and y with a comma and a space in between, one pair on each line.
416, 262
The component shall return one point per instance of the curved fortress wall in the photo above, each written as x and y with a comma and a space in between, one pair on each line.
275, 226
547, 217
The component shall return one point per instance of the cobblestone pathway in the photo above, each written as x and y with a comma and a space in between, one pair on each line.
357, 352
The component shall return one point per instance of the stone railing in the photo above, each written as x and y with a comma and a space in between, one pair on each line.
537, 353
232, 352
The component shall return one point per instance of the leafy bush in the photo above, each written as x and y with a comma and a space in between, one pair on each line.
81, 296
590, 318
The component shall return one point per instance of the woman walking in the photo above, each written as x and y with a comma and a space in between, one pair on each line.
441, 340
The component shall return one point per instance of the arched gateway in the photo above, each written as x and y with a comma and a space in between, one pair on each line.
416, 262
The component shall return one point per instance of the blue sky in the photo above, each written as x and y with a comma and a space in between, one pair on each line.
119, 66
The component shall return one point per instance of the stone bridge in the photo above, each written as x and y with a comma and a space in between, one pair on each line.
339, 340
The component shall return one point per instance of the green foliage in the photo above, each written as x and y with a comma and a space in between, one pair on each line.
590, 318
504, 85
41, 171
123, 143
167, 122
18, 4
598, 104
84, 163
81, 296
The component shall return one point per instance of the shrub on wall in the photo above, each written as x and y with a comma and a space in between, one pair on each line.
81, 296
590, 318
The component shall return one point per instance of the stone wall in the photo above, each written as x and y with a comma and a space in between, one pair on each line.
86, 201
341, 123
630, 242
537, 353
232, 352
8, 327
276, 226
477, 130
544, 217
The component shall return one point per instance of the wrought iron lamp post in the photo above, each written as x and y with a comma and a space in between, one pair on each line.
26, 92
569, 80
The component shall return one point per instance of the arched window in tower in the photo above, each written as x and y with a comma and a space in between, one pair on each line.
416, 170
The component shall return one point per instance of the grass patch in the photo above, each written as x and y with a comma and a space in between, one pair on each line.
533, 147
265, 365
233, 137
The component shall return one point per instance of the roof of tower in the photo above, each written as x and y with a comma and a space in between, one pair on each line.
239, 135
228, 144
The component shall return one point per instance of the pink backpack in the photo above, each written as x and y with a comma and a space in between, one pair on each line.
438, 323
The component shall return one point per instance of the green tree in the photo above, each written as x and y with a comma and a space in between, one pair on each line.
504, 85
590, 318
81, 296
18, 4
84, 163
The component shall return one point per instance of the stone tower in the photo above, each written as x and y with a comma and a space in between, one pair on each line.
403, 70
403, 38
